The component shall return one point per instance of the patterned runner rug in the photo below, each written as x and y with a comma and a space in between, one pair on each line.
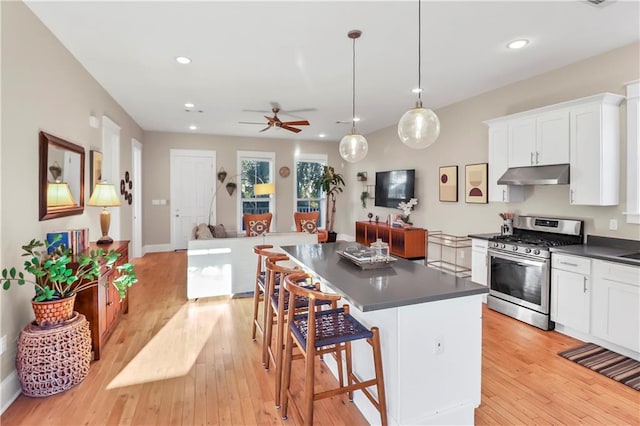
613, 365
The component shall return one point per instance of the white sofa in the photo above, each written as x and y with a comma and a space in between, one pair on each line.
227, 266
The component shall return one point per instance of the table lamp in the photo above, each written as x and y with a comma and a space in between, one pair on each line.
59, 195
104, 195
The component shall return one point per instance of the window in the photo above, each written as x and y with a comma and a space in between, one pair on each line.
255, 167
307, 198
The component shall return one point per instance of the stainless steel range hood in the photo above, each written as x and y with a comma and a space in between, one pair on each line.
557, 174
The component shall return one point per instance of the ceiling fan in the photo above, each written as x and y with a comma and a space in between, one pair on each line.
276, 122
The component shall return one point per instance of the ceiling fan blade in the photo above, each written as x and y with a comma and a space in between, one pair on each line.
266, 128
291, 129
250, 122
296, 123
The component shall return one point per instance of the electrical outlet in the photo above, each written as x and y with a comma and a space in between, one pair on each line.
3, 344
438, 345
613, 225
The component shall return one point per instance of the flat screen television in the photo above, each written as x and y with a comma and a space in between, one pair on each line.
394, 186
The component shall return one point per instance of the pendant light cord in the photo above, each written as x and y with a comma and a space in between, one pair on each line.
353, 92
420, 53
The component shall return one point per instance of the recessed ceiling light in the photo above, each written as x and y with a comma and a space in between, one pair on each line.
193, 127
183, 60
416, 90
517, 44
189, 105
322, 135
356, 119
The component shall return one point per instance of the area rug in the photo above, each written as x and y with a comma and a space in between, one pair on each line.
608, 363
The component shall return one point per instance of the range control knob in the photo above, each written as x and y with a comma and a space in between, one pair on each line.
503, 246
536, 251
514, 248
527, 250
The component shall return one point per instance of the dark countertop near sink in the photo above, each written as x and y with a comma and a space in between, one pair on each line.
484, 236
603, 248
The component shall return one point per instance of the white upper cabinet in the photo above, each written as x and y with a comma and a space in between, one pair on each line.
583, 132
595, 152
498, 149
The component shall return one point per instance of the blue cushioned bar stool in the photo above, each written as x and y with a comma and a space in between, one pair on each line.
262, 251
329, 331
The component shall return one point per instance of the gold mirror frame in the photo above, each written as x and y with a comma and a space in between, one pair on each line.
47, 141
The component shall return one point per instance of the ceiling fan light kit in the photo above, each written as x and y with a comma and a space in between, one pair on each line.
353, 147
419, 127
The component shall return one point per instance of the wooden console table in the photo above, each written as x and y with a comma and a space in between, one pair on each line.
408, 243
101, 304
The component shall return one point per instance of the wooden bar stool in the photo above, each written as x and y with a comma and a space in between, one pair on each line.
258, 292
328, 331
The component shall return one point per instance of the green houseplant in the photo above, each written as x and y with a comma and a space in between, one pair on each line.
58, 276
331, 183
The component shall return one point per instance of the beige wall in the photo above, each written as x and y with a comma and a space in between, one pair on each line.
43, 88
156, 181
463, 140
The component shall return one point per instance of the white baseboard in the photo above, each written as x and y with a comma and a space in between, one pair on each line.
9, 390
156, 248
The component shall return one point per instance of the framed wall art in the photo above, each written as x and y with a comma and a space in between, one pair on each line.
448, 183
476, 183
96, 169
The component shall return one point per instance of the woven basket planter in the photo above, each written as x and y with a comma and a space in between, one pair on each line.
53, 312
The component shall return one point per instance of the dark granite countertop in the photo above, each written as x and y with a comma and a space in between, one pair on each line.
603, 248
484, 236
404, 283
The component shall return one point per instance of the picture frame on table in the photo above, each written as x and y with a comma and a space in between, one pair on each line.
448, 184
476, 183
96, 169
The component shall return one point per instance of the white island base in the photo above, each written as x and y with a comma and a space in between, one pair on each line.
431, 355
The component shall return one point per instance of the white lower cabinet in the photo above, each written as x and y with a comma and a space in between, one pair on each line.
616, 304
479, 258
571, 291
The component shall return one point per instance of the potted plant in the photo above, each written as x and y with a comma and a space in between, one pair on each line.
330, 183
361, 176
364, 195
58, 276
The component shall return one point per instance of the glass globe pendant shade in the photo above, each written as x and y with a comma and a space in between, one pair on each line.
353, 147
419, 128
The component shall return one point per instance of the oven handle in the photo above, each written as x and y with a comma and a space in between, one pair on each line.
519, 259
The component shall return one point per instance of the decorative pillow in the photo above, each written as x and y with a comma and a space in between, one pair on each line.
309, 226
203, 232
218, 231
258, 227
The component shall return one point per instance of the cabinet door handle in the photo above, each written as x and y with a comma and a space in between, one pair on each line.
109, 303
571, 196
584, 285
504, 194
575, 265
537, 155
531, 159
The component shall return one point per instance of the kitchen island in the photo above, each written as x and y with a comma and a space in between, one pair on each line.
430, 328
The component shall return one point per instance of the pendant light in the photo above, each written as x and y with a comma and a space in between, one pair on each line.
353, 147
419, 127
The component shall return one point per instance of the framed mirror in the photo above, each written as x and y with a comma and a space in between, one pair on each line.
61, 171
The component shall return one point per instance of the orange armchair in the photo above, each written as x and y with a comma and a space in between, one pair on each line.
256, 224
308, 222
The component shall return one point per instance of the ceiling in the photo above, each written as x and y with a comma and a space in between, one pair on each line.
247, 56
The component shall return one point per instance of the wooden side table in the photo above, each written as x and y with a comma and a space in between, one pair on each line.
53, 360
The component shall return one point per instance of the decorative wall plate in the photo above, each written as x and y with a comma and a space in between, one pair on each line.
284, 171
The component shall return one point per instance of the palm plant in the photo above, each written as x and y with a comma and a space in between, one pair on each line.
330, 183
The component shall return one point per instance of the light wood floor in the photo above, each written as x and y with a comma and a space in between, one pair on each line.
173, 362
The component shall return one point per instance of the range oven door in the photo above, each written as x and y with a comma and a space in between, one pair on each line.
520, 279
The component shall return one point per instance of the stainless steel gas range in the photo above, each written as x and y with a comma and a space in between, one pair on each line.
519, 274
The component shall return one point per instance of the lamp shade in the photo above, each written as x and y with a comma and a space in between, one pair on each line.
104, 195
353, 147
59, 195
264, 188
419, 128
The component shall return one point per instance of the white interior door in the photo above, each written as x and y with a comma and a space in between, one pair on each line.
136, 240
192, 186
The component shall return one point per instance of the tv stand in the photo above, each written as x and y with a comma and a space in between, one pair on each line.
408, 243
